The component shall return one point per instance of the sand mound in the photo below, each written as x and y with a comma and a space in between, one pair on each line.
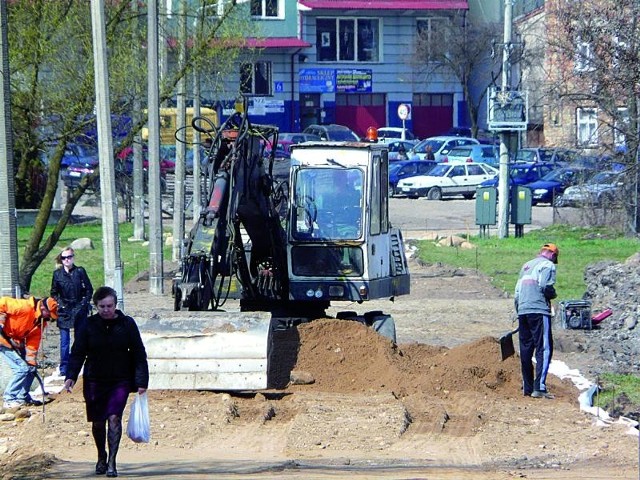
345, 356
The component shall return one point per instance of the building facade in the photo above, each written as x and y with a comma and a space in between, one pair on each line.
350, 62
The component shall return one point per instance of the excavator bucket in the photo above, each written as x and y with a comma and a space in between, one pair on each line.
207, 350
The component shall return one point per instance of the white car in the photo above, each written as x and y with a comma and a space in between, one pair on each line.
604, 189
439, 146
390, 134
447, 179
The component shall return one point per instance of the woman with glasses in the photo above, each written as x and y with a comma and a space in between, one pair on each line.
72, 290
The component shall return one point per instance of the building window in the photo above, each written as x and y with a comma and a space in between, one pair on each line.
255, 78
587, 127
433, 33
620, 127
348, 39
265, 8
584, 57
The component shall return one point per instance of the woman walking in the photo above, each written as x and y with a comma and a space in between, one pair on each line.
115, 364
72, 289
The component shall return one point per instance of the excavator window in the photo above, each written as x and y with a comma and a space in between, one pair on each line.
328, 204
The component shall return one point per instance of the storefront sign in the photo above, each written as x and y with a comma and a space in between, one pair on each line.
354, 81
317, 80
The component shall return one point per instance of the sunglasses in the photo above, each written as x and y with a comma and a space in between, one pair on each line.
67, 257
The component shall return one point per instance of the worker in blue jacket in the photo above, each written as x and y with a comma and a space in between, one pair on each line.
534, 291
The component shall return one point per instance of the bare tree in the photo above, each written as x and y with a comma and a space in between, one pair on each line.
463, 50
594, 54
52, 89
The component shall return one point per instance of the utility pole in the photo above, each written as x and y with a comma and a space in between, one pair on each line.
110, 226
156, 266
181, 146
9, 286
138, 171
503, 174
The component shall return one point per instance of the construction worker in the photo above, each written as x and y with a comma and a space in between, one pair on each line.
21, 325
534, 292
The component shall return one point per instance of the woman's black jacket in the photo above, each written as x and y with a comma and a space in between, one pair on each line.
111, 351
73, 291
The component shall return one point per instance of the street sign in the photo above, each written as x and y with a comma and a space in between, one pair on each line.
508, 110
404, 111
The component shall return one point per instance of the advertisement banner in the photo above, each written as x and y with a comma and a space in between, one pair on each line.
354, 80
317, 80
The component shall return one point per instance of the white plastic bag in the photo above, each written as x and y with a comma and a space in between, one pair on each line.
138, 425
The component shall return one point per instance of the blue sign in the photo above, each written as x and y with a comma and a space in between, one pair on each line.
278, 87
354, 81
317, 80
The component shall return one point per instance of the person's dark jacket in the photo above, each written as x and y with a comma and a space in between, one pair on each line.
111, 351
73, 291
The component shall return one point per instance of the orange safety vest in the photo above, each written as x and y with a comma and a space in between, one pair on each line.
21, 326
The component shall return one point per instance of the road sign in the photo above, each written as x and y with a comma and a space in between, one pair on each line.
404, 111
508, 110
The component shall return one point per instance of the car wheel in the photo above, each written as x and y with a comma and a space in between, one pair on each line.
392, 190
468, 196
434, 194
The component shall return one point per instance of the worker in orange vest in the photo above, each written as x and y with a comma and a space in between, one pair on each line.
21, 324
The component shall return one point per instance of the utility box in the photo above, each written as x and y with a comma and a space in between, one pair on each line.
520, 205
486, 202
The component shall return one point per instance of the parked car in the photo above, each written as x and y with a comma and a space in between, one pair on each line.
298, 137
440, 146
447, 179
405, 169
458, 132
602, 190
333, 133
282, 149
554, 183
523, 173
73, 153
489, 154
389, 134
167, 161
539, 154
395, 148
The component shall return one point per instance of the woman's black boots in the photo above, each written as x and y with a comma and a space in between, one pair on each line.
99, 437
113, 438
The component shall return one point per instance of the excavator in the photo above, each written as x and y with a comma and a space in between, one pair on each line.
277, 242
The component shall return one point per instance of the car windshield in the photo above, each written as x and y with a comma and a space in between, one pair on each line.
389, 134
439, 170
525, 156
519, 172
604, 178
422, 146
394, 167
460, 152
341, 135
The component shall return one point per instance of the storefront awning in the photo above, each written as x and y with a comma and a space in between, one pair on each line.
277, 42
385, 4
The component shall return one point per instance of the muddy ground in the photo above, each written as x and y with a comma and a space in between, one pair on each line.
440, 405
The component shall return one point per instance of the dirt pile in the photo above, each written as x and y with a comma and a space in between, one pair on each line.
347, 357
614, 345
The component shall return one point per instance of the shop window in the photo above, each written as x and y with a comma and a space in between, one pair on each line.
255, 78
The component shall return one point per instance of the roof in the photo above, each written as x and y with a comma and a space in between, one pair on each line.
386, 4
277, 42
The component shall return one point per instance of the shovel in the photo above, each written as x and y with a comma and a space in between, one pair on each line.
506, 344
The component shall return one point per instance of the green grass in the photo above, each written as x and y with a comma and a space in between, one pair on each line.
134, 255
501, 259
613, 385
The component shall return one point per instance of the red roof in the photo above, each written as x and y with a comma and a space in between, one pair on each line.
277, 42
386, 4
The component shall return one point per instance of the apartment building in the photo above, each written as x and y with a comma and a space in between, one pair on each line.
350, 62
